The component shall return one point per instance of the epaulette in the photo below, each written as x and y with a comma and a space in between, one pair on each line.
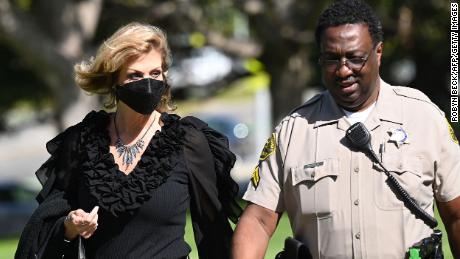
311, 101
415, 94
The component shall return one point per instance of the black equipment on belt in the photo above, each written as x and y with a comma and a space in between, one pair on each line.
294, 249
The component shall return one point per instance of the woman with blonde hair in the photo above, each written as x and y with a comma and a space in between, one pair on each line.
118, 184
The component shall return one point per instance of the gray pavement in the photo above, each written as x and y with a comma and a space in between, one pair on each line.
22, 152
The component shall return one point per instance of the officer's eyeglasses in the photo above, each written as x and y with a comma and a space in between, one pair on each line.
355, 63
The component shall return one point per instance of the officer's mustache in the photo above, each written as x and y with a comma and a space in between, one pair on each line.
347, 80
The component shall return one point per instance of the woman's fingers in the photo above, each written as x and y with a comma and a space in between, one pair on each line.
75, 217
83, 218
84, 223
91, 219
91, 226
92, 216
72, 224
89, 231
87, 234
90, 223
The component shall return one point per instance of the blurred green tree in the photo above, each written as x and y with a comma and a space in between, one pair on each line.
48, 36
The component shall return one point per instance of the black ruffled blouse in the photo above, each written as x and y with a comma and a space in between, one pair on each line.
115, 191
142, 214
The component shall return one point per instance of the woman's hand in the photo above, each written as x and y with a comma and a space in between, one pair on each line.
78, 222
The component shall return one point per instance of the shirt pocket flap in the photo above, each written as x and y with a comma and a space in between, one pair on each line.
313, 172
395, 163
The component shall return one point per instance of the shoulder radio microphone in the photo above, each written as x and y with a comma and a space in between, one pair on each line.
360, 139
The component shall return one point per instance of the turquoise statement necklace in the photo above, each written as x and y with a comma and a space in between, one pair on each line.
129, 153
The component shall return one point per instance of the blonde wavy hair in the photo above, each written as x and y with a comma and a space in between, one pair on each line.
99, 74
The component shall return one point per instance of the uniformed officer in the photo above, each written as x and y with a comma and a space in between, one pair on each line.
337, 199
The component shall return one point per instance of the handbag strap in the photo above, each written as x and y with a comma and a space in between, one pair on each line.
81, 249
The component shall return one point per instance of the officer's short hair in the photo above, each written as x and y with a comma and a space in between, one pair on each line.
349, 12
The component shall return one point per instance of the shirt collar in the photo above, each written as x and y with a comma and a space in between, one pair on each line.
387, 108
330, 113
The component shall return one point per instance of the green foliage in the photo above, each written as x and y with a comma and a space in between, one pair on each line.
223, 17
197, 40
8, 248
281, 30
24, 4
253, 65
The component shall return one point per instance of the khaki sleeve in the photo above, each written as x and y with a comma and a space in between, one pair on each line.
447, 170
264, 189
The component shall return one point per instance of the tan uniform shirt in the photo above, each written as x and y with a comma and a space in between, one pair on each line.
337, 200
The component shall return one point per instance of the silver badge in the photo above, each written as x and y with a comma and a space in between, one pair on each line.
398, 136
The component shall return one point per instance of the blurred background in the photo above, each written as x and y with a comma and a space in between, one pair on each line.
239, 65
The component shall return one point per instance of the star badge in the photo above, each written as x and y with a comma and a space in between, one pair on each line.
398, 136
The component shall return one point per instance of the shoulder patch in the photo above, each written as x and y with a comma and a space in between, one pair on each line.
452, 133
255, 178
268, 150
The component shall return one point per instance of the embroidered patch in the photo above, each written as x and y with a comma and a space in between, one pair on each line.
255, 178
269, 148
452, 132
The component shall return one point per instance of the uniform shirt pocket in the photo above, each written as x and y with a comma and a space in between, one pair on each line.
315, 185
407, 171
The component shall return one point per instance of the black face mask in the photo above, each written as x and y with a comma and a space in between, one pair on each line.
142, 95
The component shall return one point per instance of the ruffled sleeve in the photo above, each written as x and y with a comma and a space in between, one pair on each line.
42, 236
213, 192
56, 171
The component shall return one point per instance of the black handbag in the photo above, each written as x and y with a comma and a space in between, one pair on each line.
294, 249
